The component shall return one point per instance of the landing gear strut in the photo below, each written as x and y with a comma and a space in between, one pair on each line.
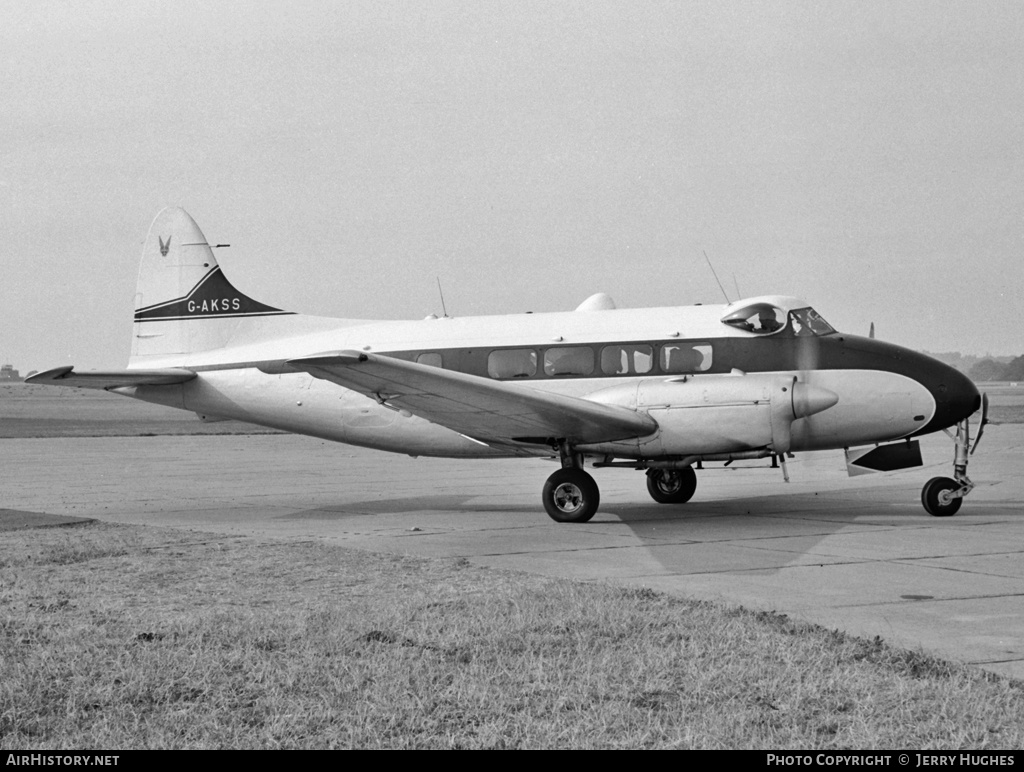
570, 494
942, 496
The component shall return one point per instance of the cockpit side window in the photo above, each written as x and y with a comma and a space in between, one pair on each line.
759, 318
807, 321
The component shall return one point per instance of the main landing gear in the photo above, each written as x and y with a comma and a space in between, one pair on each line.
571, 495
671, 486
942, 496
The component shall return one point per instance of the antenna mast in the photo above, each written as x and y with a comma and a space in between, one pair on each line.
716, 276
439, 292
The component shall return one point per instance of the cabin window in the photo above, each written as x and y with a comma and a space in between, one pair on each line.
685, 357
626, 359
759, 318
569, 360
432, 358
807, 321
512, 363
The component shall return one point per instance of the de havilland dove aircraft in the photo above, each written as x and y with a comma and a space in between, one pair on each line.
663, 390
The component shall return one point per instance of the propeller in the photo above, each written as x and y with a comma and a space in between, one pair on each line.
807, 399
807, 354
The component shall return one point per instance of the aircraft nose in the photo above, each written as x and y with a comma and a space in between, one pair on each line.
956, 397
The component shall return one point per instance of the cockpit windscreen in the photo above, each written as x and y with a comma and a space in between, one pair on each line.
807, 321
768, 319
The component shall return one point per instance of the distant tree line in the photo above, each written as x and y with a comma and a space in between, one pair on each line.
989, 369
984, 368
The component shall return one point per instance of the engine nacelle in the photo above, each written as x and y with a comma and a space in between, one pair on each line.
710, 414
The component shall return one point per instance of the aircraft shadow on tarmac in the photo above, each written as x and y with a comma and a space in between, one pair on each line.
418, 503
877, 505
753, 536
841, 508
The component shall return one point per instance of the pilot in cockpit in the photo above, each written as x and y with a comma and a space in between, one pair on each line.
767, 321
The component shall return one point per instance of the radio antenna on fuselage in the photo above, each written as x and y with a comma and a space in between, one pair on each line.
716, 277
441, 293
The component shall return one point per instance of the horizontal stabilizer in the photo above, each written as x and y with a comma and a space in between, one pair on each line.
477, 407
884, 458
110, 379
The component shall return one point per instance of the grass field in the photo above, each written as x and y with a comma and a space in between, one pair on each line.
130, 637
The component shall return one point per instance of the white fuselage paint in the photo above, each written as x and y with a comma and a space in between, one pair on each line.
873, 406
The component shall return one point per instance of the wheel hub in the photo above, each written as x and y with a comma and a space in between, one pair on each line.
568, 497
669, 483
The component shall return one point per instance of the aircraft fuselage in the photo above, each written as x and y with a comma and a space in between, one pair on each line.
885, 392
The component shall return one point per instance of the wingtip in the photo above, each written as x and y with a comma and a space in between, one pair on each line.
53, 374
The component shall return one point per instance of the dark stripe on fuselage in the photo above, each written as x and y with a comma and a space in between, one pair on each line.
955, 395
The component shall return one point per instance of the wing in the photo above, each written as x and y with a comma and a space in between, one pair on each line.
110, 379
475, 406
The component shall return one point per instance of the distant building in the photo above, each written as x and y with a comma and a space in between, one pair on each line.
8, 373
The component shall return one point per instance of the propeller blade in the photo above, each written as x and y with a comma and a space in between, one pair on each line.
807, 354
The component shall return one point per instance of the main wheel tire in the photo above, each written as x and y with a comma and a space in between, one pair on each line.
671, 486
571, 496
935, 500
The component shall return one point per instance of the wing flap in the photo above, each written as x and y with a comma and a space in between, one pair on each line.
110, 379
475, 406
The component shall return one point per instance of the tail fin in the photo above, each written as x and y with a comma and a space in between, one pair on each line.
184, 303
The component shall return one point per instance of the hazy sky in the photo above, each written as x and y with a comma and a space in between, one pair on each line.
866, 156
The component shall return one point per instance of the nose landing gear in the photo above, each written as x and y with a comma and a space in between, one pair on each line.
942, 496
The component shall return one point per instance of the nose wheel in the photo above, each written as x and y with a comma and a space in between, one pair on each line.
941, 497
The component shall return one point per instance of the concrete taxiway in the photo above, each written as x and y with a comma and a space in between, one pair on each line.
857, 554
